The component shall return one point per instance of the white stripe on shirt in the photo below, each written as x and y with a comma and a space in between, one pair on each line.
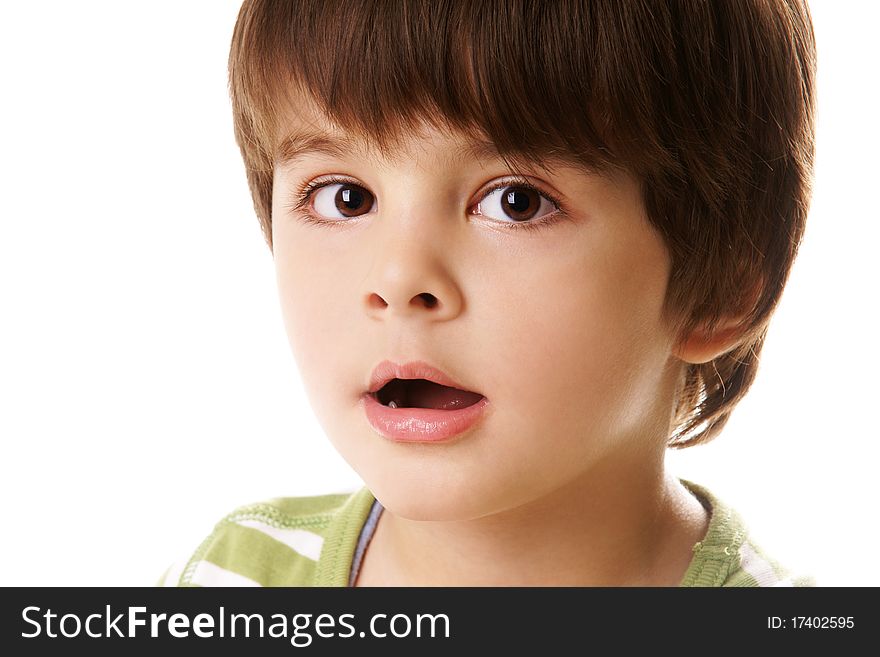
758, 567
209, 574
304, 542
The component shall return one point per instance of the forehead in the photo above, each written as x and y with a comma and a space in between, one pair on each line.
305, 135
302, 142
304, 131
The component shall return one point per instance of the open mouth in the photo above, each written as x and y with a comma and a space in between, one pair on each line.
421, 393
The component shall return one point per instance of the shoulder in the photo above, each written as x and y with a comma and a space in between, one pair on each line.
754, 567
277, 542
729, 555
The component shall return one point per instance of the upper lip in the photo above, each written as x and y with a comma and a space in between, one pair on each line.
416, 369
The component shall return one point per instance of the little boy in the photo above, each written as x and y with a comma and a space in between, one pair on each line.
522, 249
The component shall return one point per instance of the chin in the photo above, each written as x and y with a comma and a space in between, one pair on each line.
419, 500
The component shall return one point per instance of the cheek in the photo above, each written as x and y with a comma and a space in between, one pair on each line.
318, 328
586, 356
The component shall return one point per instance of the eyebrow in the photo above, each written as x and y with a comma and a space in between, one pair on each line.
297, 145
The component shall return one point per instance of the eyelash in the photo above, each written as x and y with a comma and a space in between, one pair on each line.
304, 193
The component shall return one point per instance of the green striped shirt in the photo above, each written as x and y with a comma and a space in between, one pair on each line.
313, 541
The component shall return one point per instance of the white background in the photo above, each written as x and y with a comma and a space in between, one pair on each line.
146, 387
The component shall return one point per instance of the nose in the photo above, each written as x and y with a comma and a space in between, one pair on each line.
410, 276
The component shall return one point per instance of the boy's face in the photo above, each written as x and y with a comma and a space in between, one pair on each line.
560, 328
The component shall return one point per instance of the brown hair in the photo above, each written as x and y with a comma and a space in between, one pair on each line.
710, 104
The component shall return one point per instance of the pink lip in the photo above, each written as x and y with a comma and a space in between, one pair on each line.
417, 369
409, 424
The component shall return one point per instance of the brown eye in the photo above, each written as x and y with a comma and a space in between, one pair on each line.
520, 203
346, 199
515, 204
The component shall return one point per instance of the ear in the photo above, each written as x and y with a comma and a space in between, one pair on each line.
701, 346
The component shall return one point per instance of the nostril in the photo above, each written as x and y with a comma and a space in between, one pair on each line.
429, 299
377, 302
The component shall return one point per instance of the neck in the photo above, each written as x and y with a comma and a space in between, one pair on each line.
621, 524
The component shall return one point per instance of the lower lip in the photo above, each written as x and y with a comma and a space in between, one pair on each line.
427, 425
